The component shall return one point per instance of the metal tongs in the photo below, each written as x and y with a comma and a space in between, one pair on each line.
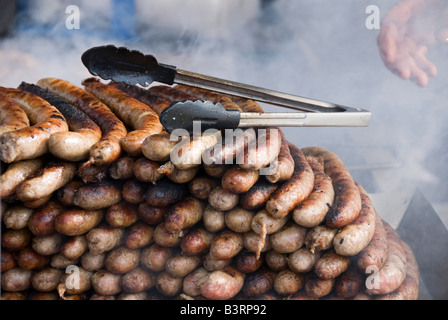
133, 67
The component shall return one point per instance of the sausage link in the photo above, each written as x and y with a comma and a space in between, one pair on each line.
239, 219
113, 130
49, 244
311, 211
193, 282
330, 265
17, 216
213, 220
258, 282
168, 285
316, 287
106, 283
134, 113
146, 170
222, 200
134, 191
103, 239
238, 180
96, 196
42, 221
74, 247
47, 180
32, 141
29, 259
184, 214
8, 260
164, 193
73, 145
303, 260
177, 175
90, 173
347, 200
289, 238
122, 168
295, 190
355, 236
320, 238
139, 235
257, 196
248, 262
276, 261
180, 265
166, 238
122, 259
375, 253
392, 274
158, 147
350, 282
46, 280
223, 284
12, 117
137, 280
226, 245
284, 162
154, 257
16, 173
66, 193
151, 215
196, 241
16, 240
121, 215
75, 222
288, 282
16, 280
201, 186
256, 243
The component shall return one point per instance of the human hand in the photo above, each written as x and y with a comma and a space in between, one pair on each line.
406, 32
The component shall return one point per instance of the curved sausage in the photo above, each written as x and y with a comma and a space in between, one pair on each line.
75, 222
350, 282
238, 180
134, 113
285, 163
184, 214
258, 195
32, 141
223, 284
122, 168
139, 235
47, 180
347, 200
42, 221
134, 191
196, 241
103, 239
73, 145
177, 175
295, 190
226, 245
180, 265
303, 260
288, 282
16, 173
12, 117
289, 238
121, 215
312, 210
355, 236
113, 130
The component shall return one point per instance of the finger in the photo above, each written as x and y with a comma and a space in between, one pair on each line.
418, 76
387, 43
423, 63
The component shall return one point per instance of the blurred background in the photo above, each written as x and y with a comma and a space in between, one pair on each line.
312, 48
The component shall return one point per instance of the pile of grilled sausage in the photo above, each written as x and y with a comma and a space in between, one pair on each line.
93, 207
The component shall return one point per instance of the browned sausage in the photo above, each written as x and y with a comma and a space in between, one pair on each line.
303, 260
258, 195
211, 264
17, 216
330, 265
12, 117
222, 200
139, 235
263, 220
204, 94
158, 147
284, 162
184, 214
350, 282
375, 253
258, 282
7, 260
90, 173
316, 287
238, 180
248, 262
167, 238
104, 238
73, 145
73, 282
295, 190
167, 284
16, 173
74, 247
320, 238
239, 219
155, 256
223, 284
180, 265
47, 180
355, 236
138, 280
32, 141
122, 168
96, 196
113, 130
256, 243
93, 262
392, 274
276, 261
311, 211
177, 175
213, 220
48, 245
215, 170
226, 245
196, 241
134, 191
289, 238
201, 186
75, 222
122, 259
165, 193
151, 215
16, 280
46, 280
134, 113
121, 215
409, 288
15, 240
193, 282
288, 282
29, 259
106, 283
146, 170
59, 261
66, 193
347, 201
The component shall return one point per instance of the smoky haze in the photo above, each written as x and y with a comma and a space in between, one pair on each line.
317, 49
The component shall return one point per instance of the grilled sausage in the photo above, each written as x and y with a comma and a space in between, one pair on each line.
146, 170
312, 210
91, 173
32, 141
158, 147
302, 260
75, 222
239, 219
122, 168
392, 274
226, 245
258, 195
347, 200
49, 244
122, 259
201, 186
223, 284
96, 196
7, 260
16, 216
263, 219
113, 130
16, 173
276, 261
285, 163
29, 259
167, 284
74, 282
47, 180
256, 243
248, 262
196, 241
375, 253
12, 117
355, 236
184, 214
154, 257
166, 238
177, 175
193, 282
288, 282
320, 238
215, 170
211, 264
59, 261
330, 265
289, 238
295, 190
150, 214
121, 215
104, 238
73, 145
238, 180
409, 288
222, 200
258, 283
33, 204
137, 280
16, 280
46, 280
134, 191
106, 283
66, 193
164, 193
213, 220
93, 262
139, 235
15, 240
74, 247
350, 282
180, 265
316, 287
134, 113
